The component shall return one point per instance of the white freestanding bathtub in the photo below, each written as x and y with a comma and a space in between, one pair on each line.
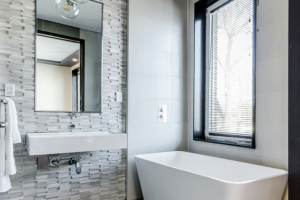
188, 176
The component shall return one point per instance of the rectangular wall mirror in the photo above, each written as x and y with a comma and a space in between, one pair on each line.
68, 68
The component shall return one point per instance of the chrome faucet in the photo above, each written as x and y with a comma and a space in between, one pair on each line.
73, 115
76, 162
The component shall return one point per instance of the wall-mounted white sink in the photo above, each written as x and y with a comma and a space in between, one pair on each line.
55, 143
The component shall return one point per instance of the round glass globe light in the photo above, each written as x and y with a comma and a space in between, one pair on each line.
68, 9
81, 1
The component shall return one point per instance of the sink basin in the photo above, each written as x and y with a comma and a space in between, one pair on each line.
56, 143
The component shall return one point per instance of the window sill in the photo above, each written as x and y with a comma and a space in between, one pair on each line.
224, 143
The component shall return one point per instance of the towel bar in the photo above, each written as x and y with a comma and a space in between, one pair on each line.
3, 101
3, 124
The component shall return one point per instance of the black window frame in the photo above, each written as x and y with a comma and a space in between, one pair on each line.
200, 74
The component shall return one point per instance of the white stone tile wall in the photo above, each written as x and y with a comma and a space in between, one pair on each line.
103, 175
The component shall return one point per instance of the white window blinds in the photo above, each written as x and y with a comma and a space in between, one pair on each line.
231, 68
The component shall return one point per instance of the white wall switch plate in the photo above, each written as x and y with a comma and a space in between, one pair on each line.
9, 90
162, 108
162, 113
119, 96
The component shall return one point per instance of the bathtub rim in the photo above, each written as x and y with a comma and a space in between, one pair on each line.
284, 172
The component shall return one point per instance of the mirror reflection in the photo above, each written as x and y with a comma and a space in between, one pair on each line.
68, 56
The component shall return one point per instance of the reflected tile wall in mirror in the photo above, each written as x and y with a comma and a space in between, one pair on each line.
69, 57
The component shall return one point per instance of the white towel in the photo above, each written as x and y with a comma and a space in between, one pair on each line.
15, 130
9, 136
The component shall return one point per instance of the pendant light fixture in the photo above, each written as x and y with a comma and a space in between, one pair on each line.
81, 1
68, 9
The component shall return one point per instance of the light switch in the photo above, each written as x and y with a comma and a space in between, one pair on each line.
119, 96
9, 90
162, 113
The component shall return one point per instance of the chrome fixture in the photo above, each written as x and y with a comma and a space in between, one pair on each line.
76, 162
73, 115
3, 124
54, 162
72, 126
73, 161
3, 101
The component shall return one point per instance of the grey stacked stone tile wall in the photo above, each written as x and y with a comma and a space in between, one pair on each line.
103, 173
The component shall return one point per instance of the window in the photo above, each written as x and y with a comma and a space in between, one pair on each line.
229, 73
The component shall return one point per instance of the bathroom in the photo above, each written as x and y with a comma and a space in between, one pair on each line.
122, 103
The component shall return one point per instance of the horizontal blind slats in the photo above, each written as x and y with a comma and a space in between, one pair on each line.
231, 68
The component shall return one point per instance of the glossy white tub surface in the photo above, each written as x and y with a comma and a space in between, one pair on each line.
188, 176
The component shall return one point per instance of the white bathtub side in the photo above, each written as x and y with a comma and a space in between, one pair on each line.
212, 167
161, 182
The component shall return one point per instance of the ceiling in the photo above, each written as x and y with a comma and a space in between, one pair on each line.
89, 18
57, 51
